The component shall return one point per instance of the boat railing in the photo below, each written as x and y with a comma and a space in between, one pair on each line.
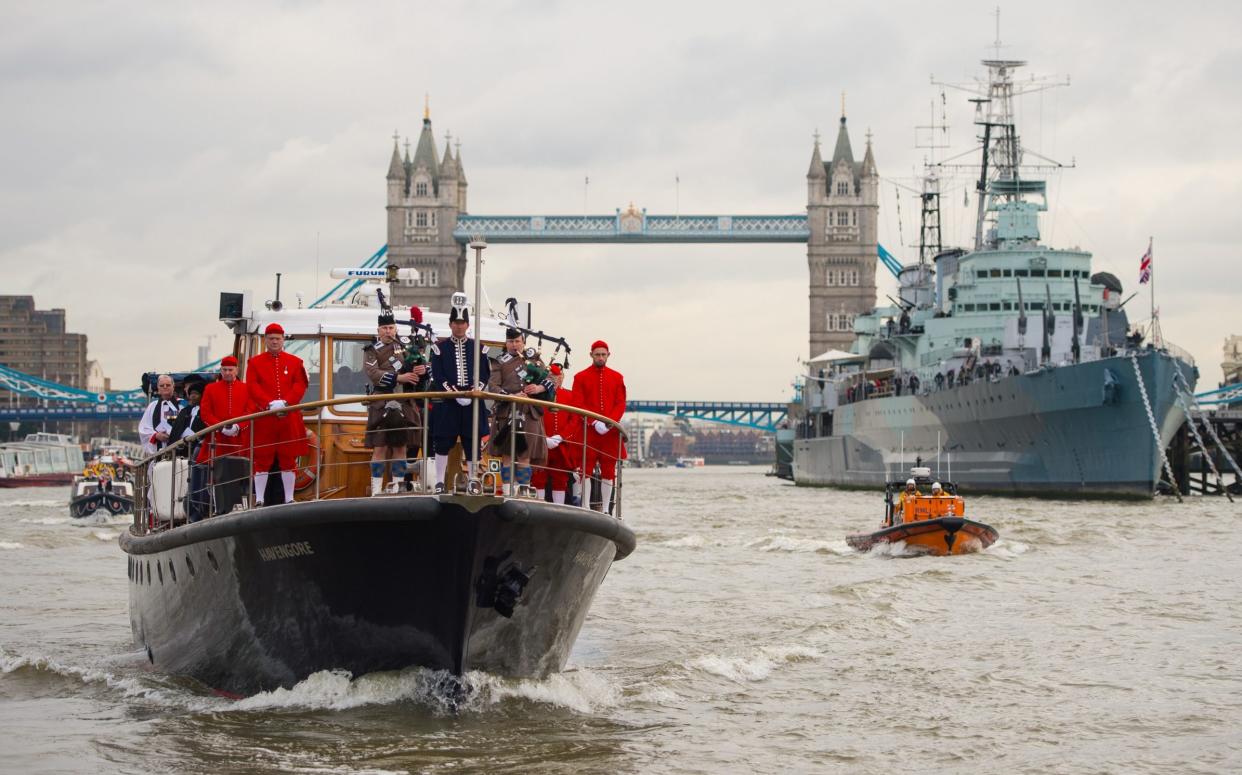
197, 490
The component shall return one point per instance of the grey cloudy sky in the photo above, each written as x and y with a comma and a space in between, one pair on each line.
155, 154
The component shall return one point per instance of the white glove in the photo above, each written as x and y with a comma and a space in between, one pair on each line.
600, 427
554, 441
277, 405
464, 401
231, 430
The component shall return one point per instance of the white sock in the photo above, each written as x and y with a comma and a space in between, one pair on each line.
558, 496
377, 484
260, 487
286, 478
605, 494
441, 465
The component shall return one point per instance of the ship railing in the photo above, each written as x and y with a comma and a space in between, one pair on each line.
1177, 352
187, 497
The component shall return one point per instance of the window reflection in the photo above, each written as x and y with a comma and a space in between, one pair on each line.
348, 378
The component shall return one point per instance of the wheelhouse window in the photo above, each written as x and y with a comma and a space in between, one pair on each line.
348, 378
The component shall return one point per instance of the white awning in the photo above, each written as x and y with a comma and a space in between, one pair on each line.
837, 356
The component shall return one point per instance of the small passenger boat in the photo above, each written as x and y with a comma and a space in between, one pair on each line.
103, 486
482, 575
926, 522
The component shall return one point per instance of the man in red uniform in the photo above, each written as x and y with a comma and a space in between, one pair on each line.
224, 399
601, 390
276, 379
563, 434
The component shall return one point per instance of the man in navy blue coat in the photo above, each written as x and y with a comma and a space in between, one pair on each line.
452, 369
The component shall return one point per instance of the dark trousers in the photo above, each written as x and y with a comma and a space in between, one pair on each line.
198, 492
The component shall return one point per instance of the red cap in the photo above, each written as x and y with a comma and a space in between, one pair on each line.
273, 328
600, 343
416, 314
228, 360
555, 368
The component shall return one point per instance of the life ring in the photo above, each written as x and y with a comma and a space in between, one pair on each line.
308, 464
91, 505
114, 505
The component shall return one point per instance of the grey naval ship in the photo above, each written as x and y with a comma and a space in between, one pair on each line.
1009, 367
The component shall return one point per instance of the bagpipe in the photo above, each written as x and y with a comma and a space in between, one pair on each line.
532, 375
417, 346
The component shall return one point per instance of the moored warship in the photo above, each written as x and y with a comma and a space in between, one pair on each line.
1011, 363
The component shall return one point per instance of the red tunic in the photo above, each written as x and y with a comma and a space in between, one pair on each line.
280, 377
602, 390
569, 427
224, 401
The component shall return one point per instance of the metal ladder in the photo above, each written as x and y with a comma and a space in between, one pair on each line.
1155, 432
1183, 393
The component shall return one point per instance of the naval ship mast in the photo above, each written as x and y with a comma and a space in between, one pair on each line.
1000, 147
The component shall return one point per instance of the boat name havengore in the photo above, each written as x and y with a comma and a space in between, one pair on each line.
1012, 356
482, 576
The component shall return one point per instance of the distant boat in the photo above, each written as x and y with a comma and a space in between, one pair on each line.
690, 462
926, 523
40, 460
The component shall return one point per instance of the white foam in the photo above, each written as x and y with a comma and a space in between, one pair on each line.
580, 690
658, 695
130, 687
34, 503
104, 535
756, 666
1003, 548
11, 545
47, 521
792, 544
687, 542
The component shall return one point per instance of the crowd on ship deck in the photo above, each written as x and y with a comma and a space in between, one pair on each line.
551, 451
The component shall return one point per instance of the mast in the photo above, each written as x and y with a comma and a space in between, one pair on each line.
1000, 147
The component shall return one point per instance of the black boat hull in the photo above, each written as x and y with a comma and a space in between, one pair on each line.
98, 502
261, 599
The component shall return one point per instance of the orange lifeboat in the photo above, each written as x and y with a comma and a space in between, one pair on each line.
929, 522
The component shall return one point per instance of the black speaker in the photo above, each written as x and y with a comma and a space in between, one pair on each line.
231, 306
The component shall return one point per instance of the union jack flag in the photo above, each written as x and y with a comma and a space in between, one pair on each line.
1145, 266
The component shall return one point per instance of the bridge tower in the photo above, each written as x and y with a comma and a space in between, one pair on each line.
426, 193
843, 209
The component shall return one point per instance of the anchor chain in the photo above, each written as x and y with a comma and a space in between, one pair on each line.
1155, 432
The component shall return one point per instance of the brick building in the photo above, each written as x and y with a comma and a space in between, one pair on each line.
35, 341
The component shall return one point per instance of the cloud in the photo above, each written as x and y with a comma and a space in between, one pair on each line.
154, 156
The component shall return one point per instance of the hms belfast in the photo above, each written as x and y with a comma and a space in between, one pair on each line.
1010, 367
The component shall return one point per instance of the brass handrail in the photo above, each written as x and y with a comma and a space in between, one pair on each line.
363, 399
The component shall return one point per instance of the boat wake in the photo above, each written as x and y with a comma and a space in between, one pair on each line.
756, 665
793, 544
581, 691
11, 545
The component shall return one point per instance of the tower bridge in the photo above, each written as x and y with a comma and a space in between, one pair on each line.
429, 224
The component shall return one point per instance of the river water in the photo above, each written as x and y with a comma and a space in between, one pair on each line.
741, 636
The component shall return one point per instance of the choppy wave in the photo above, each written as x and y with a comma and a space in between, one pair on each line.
683, 542
129, 686
11, 545
49, 502
580, 690
47, 520
787, 543
756, 665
